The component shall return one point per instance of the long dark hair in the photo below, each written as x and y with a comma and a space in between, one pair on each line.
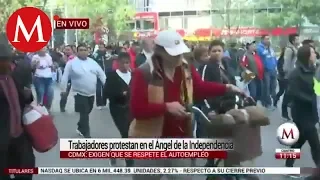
157, 60
282, 52
303, 55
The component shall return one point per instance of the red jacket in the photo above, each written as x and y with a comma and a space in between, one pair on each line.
259, 65
142, 109
133, 56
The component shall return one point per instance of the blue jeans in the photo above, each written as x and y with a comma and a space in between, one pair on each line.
256, 89
44, 87
270, 85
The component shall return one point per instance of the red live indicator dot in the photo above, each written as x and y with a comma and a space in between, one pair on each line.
56, 17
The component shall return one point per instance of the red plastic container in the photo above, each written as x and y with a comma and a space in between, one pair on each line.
40, 128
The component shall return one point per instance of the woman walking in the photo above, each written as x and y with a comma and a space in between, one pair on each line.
304, 103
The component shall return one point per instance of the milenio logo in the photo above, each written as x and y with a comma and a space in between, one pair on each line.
29, 29
288, 134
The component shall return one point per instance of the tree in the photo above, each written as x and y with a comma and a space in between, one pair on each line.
310, 10
287, 13
231, 15
7, 7
114, 13
58, 34
277, 13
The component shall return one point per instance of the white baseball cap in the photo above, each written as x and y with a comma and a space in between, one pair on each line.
172, 42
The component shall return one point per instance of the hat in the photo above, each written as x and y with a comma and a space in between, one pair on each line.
172, 42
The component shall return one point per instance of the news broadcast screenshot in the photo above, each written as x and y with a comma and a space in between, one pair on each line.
152, 90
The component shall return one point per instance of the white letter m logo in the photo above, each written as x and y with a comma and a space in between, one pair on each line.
27, 36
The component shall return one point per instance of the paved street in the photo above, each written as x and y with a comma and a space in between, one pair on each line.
103, 127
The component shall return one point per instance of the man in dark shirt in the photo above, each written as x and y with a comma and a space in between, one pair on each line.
15, 147
146, 53
102, 57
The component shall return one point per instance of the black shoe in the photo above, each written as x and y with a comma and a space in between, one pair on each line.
113, 162
275, 103
87, 136
289, 163
311, 178
62, 110
129, 163
80, 133
286, 117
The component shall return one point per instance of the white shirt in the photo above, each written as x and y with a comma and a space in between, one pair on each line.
83, 75
44, 68
148, 55
126, 77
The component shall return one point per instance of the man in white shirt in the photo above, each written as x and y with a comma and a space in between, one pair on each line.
84, 73
146, 53
43, 82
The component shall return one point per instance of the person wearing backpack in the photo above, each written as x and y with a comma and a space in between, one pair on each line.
281, 75
286, 64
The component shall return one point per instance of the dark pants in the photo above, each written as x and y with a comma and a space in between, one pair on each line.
84, 105
283, 84
100, 101
44, 87
199, 130
308, 132
120, 116
269, 85
64, 98
255, 89
18, 154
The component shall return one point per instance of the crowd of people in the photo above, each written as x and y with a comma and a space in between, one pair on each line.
151, 85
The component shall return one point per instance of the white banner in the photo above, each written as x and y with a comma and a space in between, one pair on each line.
166, 170
145, 144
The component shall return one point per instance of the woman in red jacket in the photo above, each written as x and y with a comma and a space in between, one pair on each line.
167, 68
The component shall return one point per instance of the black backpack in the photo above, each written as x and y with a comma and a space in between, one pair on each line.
280, 62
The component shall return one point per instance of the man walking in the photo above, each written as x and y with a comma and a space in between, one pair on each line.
15, 146
84, 73
269, 60
147, 51
133, 51
100, 57
68, 56
251, 63
289, 61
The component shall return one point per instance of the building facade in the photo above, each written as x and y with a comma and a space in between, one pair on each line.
200, 20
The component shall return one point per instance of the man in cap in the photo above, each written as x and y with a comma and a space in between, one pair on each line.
252, 70
15, 149
162, 92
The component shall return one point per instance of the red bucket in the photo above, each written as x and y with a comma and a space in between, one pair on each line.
40, 128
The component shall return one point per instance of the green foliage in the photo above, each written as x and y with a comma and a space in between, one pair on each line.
58, 34
284, 13
292, 14
231, 13
114, 13
7, 7
310, 9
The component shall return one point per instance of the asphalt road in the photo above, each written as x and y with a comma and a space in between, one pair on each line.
103, 127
